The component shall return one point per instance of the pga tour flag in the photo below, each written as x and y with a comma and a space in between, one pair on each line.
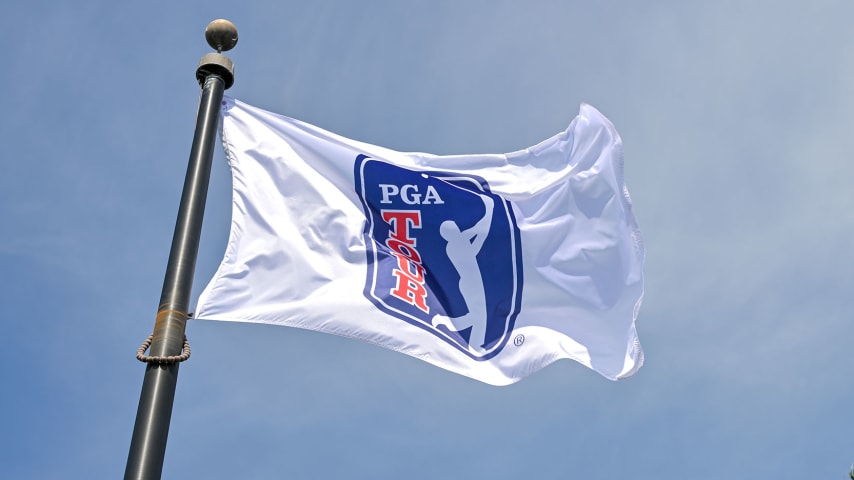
491, 266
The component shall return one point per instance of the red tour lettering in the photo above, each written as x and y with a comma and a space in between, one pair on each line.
409, 272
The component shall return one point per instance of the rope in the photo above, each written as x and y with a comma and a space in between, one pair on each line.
142, 357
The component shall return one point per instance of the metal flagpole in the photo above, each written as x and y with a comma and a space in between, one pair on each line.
148, 444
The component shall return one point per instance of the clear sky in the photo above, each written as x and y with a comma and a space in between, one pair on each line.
737, 123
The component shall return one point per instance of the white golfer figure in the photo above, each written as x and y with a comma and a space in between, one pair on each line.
462, 250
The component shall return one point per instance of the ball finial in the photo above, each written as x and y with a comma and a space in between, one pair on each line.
221, 35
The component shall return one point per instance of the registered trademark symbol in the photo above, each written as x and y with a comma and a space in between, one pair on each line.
519, 340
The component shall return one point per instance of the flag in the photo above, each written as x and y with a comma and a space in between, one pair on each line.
491, 266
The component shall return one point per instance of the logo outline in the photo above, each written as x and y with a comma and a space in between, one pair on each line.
471, 184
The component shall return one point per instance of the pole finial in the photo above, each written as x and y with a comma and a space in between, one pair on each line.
221, 35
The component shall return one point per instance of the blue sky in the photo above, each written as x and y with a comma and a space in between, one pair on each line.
737, 124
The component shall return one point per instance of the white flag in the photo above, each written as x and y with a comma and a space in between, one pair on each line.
492, 266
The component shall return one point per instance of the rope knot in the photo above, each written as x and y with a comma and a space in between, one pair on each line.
142, 357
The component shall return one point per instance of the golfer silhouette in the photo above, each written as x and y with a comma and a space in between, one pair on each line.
463, 247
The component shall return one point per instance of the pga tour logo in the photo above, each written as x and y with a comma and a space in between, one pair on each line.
443, 254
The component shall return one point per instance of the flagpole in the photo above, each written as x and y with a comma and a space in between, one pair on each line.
148, 444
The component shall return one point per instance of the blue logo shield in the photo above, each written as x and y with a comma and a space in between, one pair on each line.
443, 254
